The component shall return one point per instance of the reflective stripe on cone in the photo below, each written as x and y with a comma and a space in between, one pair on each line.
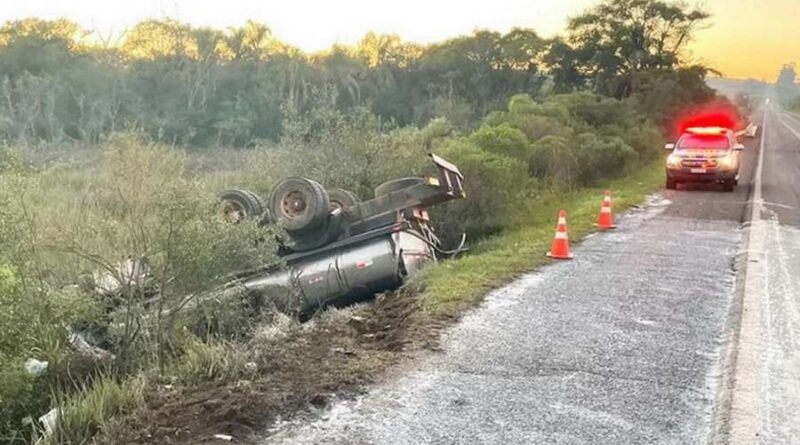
605, 220
560, 248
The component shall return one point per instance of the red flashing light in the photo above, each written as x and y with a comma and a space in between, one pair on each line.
707, 131
719, 121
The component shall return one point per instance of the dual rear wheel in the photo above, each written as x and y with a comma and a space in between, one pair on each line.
301, 206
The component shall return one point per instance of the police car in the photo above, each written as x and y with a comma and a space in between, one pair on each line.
704, 155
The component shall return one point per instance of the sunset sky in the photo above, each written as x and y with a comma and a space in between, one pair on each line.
746, 38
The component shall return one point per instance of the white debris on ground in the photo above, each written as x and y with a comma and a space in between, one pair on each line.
36, 367
49, 420
84, 348
129, 272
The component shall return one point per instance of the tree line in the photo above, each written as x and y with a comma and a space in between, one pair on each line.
206, 87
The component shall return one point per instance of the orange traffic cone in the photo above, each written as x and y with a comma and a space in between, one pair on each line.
560, 248
605, 220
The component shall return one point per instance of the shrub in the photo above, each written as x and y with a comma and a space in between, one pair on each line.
603, 157
594, 110
503, 139
21, 396
646, 140
536, 127
494, 185
354, 150
555, 158
522, 104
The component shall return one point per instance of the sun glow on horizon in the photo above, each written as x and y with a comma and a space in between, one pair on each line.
746, 38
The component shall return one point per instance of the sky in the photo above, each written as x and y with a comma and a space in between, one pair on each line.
746, 38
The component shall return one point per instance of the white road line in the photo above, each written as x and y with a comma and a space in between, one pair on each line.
746, 416
789, 127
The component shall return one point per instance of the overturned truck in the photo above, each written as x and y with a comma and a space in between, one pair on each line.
343, 250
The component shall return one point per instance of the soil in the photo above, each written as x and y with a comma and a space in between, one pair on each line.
298, 367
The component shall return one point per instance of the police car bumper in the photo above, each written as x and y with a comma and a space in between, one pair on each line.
700, 175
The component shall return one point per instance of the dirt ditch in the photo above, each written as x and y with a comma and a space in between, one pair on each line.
286, 368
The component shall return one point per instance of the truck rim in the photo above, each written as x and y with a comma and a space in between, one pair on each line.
293, 204
232, 212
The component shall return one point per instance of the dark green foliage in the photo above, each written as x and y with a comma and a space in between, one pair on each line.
502, 139
555, 158
496, 184
615, 39
203, 87
566, 141
602, 157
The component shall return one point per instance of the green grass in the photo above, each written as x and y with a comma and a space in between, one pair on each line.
455, 285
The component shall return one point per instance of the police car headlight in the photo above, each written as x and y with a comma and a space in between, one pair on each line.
673, 161
727, 162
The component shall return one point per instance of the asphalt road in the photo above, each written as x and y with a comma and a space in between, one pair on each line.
629, 343
765, 406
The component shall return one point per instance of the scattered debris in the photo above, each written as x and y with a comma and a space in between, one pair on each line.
128, 272
49, 420
84, 348
36, 367
342, 351
224, 437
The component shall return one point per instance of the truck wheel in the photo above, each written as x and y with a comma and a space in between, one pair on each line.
341, 199
395, 185
671, 184
299, 205
240, 204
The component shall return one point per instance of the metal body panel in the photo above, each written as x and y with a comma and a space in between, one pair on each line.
344, 275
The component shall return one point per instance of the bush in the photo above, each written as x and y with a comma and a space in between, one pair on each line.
646, 140
594, 110
354, 151
555, 158
494, 184
21, 396
603, 157
536, 127
503, 139
522, 104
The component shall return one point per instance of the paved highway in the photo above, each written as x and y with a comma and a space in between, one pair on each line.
637, 340
765, 375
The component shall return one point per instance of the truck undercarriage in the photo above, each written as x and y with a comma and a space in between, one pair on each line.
342, 250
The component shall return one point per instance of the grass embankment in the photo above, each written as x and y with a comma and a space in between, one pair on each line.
452, 286
240, 388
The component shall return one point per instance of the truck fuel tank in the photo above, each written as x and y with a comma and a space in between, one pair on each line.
342, 275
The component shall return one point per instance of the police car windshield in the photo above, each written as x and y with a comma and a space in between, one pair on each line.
710, 141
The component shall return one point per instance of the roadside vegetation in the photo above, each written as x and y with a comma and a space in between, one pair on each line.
113, 157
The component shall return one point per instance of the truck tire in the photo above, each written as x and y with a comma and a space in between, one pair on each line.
671, 184
341, 199
240, 204
395, 185
299, 205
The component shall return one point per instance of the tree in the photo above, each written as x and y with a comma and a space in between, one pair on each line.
616, 39
787, 76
